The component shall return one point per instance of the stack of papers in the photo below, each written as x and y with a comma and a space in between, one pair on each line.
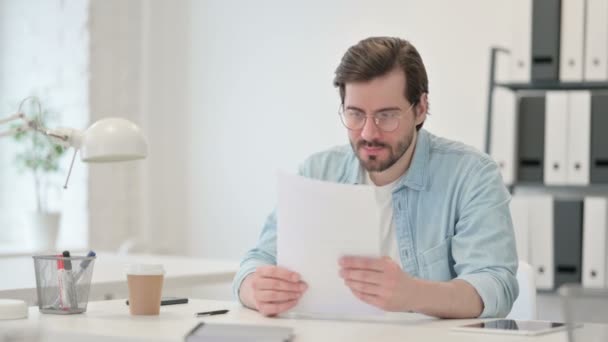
319, 222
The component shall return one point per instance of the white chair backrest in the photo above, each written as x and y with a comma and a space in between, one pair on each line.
588, 305
524, 307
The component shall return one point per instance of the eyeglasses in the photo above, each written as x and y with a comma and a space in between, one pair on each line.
355, 120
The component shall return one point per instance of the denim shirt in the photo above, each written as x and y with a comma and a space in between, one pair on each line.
451, 214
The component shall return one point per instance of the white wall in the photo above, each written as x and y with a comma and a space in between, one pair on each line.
140, 71
116, 191
169, 120
230, 91
262, 95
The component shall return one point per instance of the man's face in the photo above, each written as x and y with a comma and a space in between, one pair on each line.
376, 149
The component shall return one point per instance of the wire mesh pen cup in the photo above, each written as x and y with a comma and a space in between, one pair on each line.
63, 283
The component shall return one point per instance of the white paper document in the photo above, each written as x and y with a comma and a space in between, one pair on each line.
319, 222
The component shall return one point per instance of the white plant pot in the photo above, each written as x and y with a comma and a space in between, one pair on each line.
44, 229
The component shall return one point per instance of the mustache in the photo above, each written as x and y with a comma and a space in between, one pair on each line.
373, 143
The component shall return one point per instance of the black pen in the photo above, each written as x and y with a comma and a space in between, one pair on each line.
71, 289
211, 313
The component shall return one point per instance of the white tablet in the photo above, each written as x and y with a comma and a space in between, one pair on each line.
509, 326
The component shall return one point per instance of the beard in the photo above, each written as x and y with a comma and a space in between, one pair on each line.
374, 163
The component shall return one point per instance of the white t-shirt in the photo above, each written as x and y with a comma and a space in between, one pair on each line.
388, 235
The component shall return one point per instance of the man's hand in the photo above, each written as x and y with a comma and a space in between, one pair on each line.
272, 290
379, 282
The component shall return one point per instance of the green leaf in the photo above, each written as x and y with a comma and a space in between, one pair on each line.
38, 153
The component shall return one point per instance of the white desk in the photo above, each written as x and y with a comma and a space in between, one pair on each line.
18, 280
111, 321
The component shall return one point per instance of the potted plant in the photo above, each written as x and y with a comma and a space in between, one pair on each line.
40, 156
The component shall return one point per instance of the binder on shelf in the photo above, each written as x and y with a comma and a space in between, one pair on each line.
545, 39
571, 40
502, 147
556, 142
567, 241
595, 242
531, 145
579, 137
596, 38
540, 222
521, 228
599, 137
521, 45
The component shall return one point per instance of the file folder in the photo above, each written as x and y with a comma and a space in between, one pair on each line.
567, 242
556, 142
503, 144
579, 137
572, 38
541, 238
521, 45
599, 137
596, 38
521, 228
595, 242
531, 144
546, 15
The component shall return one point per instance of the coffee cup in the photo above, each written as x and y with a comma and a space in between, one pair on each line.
145, 283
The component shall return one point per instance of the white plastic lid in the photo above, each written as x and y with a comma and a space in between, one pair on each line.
145, 269
12, 309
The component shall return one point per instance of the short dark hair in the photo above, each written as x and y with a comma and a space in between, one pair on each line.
377, 56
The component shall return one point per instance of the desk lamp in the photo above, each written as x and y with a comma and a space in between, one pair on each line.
107, 140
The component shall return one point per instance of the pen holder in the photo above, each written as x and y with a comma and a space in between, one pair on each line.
63, 283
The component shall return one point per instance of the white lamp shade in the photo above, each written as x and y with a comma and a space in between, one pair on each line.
111, 140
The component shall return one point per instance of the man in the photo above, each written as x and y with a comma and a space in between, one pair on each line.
447, 236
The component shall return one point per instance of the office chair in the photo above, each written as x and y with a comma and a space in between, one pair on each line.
524, 307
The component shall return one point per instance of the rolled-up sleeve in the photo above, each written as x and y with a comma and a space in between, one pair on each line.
263, 254
483, 246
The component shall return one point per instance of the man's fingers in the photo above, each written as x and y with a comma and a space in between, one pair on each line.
365, 276
366, 288
272, 309
272, 271
276, 296
367, 298
363, 263
278, 285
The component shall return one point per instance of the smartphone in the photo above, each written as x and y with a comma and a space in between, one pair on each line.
170, 300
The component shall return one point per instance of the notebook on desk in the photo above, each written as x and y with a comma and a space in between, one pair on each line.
239, 332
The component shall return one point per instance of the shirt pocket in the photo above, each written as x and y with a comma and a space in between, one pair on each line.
435, 262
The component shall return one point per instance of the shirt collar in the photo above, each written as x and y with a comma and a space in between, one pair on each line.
416, 176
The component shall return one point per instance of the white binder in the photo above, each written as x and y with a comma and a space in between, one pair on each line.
521, 43
519, 215
504, 123
541, 240
571, 40
556, 142
595, 242
579, 136
502, 73
596, 41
